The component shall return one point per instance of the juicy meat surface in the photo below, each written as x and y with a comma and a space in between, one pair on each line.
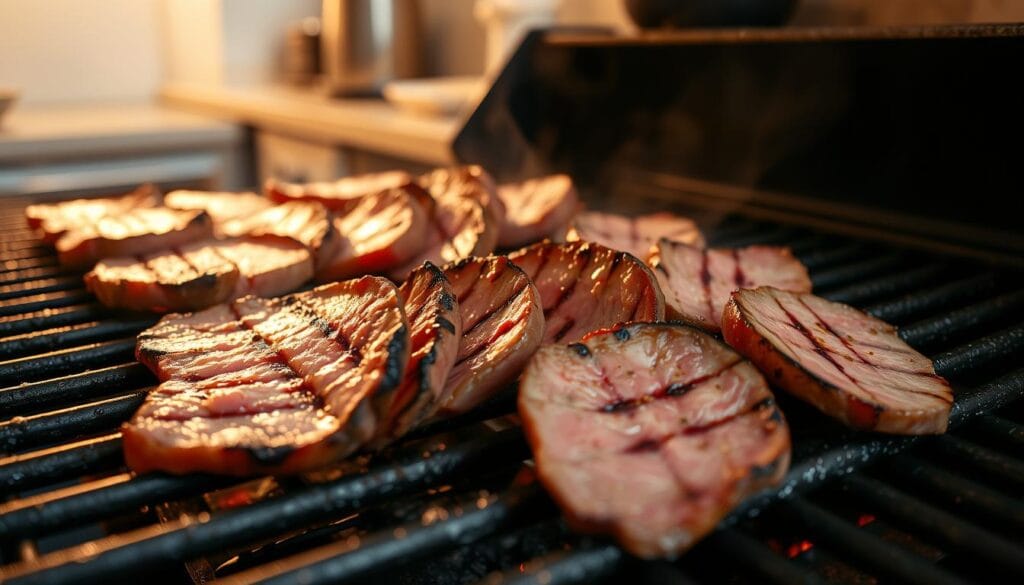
848, 364
341, 195
470, 182
502, 325
383, 231
308, 223
142, 230
651, 432
54, 219
269, 385
635, 235
201, 274
220, 205
697, 282
584, 287
435, 329
536, 209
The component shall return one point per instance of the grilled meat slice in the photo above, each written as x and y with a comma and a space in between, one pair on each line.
308, 223
536, 209
54, 219
502, 325
697, 282
383, 231
635, 235
849, 365
142, 230
201, 274
584, 287
651, 432
435, 329
470, 182
221, 206
341, 195
269, 385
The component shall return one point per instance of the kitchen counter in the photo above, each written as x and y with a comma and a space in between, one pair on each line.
366, 124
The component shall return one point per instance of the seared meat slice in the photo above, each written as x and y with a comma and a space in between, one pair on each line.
635, 235
54, 219
651, 432
435, 329
697, 282
536, 209
471, 182
341, 195
201, 274
502, 325
306, 222
142, 230
383, 231
849, 365
269, 385
584, 287
221, 206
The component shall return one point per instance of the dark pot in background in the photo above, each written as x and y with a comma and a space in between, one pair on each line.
709, 13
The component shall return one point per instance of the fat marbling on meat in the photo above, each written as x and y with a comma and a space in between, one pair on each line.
651, 432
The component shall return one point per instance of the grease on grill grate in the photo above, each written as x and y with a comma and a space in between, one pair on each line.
457, 504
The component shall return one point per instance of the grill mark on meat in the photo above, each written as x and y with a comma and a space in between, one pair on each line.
657, 443
587, 252
487, 316
250, 279
739, 278
705, 280
565, 329
498, 332
545, 257
670, 391
178, 253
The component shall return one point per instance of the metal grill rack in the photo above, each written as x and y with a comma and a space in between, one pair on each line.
457, 503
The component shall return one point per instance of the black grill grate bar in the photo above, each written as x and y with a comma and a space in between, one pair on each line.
883, 556
73, 389
158, 545
918, 303
66, 361
7, 266
877, 288
27, 254
992, 462
936, 523
21, 276
28, 344
42, 285
1000, 430
583, 565
978, 354
742, 549
817, 259
941, 329
54, 300
23, 433
21, 244
772, 236
989, 397
50, 318
23, 472
857, 271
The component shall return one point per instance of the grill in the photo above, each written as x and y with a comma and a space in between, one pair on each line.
458, 503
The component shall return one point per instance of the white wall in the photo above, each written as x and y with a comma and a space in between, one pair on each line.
80, 50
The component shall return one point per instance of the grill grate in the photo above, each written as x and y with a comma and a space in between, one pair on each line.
456, 503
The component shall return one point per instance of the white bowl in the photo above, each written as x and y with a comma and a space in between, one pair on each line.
438, 96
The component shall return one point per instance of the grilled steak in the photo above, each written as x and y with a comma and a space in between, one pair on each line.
221, 206
269, 385
142, 230
536, 209
502, 325
383, 231
308, 223
651, 432
847, 364
341, 195
584, 287
54, 219
201, 274
435, 329
697, 282
635, 235
471, 182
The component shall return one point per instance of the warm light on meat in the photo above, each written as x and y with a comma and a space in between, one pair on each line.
140, 230
306, 222
536, 209
635, 235
54, 219
341, 195
221, 206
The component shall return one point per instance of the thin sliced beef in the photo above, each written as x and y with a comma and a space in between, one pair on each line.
54, 219
697, 282
584, 287
269, 385
651, 432
536, 209
470, 182
635, 235
308, 223
341, 195
201, 274
502, 325
221, 206
435, 329
383, 231
141, 230
849, 365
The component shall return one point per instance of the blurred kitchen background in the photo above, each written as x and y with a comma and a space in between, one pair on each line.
105, 94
